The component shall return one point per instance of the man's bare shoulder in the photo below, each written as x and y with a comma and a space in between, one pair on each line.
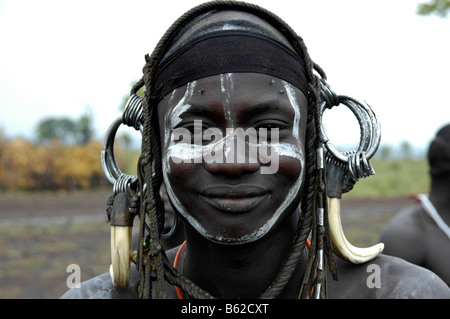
101, 287
387, 277
404, 236
407, 223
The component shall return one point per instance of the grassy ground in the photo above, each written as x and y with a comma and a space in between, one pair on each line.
393, 179
42, 233
34, 259
34, 256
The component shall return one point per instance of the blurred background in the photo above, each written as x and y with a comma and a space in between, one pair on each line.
66, 68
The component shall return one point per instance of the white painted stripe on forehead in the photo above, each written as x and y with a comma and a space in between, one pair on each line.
182, 106
226, 87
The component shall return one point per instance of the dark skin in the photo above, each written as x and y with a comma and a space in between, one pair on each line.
224, 197
239, 271
239, 223
178, 236
414, 236
245, 270
235, 267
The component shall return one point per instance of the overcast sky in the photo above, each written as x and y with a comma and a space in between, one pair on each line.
62, 58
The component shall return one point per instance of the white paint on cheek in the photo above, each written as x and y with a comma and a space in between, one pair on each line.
293, 150
171, 120
180, 208
185, 153
173, 117
285, 149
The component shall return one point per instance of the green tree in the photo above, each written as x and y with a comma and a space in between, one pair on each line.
406, 150
65, 130
60, 129
385, 152
437, 7
83, 130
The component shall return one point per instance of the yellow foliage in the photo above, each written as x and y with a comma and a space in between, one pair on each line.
24, 165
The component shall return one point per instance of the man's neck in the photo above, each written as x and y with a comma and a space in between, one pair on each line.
440, 197
240, 271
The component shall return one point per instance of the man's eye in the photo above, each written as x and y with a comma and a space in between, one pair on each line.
196, 133
271, 131
195, 129
269, 126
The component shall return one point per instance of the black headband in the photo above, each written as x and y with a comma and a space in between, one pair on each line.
230, 52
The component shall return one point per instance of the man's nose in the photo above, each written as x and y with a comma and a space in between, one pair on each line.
239, 157
232, 169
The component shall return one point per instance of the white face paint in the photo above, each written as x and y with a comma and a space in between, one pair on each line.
226, 87
283, 149
173, 118
194, 153
291, 150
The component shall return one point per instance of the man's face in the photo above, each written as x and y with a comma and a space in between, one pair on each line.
233, 153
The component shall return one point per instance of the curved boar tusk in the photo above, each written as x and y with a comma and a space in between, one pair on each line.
120, 255
341, 247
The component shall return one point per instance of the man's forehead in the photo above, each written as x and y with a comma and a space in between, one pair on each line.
226, 84
257, 92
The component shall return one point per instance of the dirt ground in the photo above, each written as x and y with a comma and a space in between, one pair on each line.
41, 234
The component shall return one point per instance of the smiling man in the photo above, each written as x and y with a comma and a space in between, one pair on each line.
229, 71
226, 194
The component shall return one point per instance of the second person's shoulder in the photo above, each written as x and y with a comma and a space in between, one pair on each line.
387, 277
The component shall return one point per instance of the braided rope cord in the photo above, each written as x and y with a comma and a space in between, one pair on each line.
152, 262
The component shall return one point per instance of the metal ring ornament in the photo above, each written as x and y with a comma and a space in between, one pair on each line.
132, 116
120, 234
370, 133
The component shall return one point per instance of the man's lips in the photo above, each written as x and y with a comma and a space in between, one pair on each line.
234, 198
